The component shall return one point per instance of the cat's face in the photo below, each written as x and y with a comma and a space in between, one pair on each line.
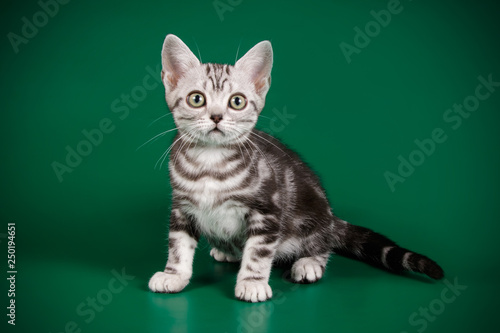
211, 103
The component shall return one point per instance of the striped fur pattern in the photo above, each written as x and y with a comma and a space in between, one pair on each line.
253, 199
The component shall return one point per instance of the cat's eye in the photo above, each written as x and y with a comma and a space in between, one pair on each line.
196, 99
237, 102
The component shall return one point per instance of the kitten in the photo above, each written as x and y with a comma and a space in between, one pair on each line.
253, 199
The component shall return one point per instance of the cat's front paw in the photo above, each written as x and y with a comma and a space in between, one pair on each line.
162, 282
221, 256
253, 291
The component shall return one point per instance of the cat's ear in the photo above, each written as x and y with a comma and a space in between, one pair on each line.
176, 59
257, 63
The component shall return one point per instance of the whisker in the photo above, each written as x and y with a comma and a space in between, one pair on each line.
164, 155
237, 51
260, 115
244, 146
195, 144
239, 138
190, 138
247, 139
154, 121
269, 142
242, 136
155, 137
199, 53
241, 151
263, 155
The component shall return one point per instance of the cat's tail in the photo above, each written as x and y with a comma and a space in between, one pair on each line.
368, 246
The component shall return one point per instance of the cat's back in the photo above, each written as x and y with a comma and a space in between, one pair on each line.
284, 160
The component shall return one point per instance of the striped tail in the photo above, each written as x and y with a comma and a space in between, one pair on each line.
368, 246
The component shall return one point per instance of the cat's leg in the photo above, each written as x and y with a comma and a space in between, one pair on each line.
258, 254
182, 241
309, 269
222, 257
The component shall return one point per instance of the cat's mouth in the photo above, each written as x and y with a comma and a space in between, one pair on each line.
216, 131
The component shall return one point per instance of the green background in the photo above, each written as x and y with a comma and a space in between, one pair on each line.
350, 121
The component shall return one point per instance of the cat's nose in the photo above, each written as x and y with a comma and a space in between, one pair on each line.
216, 118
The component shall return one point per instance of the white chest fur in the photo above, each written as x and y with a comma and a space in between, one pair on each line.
223, 220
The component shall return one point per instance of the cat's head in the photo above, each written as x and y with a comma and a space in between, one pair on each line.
212, 103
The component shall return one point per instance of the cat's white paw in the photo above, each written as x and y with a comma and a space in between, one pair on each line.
221, 256
253, 291
306, 270
162, 282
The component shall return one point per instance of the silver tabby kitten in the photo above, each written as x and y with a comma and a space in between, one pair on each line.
253, 199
